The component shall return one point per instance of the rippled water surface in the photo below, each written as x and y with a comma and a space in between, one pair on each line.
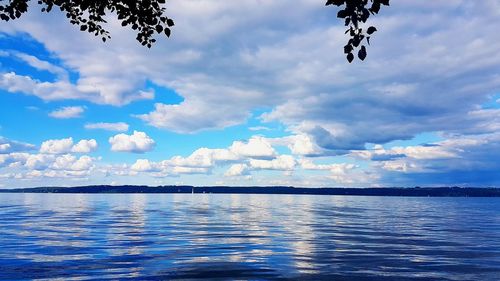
247, 237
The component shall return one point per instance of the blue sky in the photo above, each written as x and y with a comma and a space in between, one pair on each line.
240, 95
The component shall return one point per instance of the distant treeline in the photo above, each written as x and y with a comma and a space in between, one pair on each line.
379, 191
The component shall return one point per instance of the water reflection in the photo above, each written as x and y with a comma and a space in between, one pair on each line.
247, 237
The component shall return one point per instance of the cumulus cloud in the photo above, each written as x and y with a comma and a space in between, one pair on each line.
15, 159
138, 142
348, 174
58, 146
190, 170
256, 147
300, 144
308, 164
282, 162
38, 161
67, 112
85, 146
118, 127
244, 156
237, 170
144, 165
204, 157
62, 146
70, 162
25, 166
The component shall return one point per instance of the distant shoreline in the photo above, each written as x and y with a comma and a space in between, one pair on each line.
370, 191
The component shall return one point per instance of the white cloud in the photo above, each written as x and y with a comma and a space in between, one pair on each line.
15, 158
299, 144
48, 91
190, 170
67, 112
37, 166
346, 174
43, 65
256, 147
194, 115
83, 163
204, 157
308, 164
138, 142
38, 161
59, 146
118, 127
237, 170
259, 128
85, 146
282, 162
143, 165
62, 146
94, 89
10, 146
70, 162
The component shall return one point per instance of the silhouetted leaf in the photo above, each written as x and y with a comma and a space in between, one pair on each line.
350, 57
342, 14
335, 2
355, 12
362, 53
347, 49
371, 29
356, 41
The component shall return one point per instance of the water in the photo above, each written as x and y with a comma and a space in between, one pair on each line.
247, 237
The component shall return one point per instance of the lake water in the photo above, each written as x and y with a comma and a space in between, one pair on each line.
247, 237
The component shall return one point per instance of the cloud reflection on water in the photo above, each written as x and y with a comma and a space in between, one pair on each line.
174, 236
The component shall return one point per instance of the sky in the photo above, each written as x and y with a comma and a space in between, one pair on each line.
255, 93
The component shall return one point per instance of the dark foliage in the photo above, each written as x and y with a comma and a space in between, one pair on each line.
355, 12
147, 17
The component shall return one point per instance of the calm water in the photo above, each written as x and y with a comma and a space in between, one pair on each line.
247, 237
